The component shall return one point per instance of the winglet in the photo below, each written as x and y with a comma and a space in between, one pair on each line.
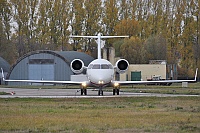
196, 74
2, 74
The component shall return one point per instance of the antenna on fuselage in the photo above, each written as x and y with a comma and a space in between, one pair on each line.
99, 37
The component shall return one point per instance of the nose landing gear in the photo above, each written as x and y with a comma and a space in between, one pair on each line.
100, 91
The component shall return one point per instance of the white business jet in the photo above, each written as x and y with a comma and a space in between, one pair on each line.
100, 72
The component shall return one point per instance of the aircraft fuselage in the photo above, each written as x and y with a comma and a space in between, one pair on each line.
100, 72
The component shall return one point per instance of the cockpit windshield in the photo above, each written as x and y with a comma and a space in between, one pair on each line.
100, 66
104, 66
96, 66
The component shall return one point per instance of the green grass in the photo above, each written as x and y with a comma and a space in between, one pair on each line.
3, 93
137, 114
185, 91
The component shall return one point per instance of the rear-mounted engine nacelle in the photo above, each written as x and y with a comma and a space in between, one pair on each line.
77, 66
122, 66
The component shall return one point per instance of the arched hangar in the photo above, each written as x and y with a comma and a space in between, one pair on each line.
5, 66
46, 65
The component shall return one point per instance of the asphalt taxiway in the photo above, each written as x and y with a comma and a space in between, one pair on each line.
74, 93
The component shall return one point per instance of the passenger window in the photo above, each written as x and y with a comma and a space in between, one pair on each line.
96, 66
104, 66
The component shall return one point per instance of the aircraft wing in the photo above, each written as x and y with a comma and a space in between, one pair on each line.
46, 81
154, 82
43, 81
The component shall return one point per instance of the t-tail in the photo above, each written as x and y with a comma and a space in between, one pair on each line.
99, 37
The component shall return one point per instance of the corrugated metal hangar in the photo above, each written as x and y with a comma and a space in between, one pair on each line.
46, 65
5, 65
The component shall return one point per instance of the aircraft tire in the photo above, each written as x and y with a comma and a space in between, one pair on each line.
114, 91
100, 92
83, 91
117, 91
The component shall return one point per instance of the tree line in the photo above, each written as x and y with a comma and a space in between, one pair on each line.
157, 29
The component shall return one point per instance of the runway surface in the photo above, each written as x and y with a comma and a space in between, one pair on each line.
74, 93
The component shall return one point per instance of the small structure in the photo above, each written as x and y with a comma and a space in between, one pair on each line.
155, 70
45, 65
109, 54
5, 66
138, 72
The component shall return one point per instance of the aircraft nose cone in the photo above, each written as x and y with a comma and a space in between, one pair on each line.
100, 79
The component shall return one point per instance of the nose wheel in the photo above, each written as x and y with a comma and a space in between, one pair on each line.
100, 92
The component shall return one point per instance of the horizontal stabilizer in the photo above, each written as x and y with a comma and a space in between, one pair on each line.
84, 36
97, 36
113, 36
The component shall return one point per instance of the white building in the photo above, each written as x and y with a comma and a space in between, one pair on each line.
137, 72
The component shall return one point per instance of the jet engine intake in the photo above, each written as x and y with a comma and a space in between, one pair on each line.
77, 66
122, 66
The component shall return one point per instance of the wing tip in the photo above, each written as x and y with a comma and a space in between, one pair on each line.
2, 73
196, 74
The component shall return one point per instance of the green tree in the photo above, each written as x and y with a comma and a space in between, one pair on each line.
43, 25
117, 45
52, 25
196, 47
127, 27
133, 50
110, 20
125, 9
6, 45
77, 20
110, 17
25, 17
156, 48
187, 38
92, 23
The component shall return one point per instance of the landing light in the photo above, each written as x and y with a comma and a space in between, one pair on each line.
116, 84
101, 82
84, 84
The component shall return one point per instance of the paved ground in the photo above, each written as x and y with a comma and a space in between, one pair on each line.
71, 93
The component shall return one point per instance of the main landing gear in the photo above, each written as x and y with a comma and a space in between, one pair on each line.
116, 91
83, 91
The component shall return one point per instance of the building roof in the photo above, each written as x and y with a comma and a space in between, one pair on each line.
67, 56
71, 55
4, 64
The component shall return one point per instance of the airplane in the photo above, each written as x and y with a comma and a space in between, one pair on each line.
100, 72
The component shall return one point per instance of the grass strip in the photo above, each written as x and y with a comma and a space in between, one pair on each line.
136, 114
